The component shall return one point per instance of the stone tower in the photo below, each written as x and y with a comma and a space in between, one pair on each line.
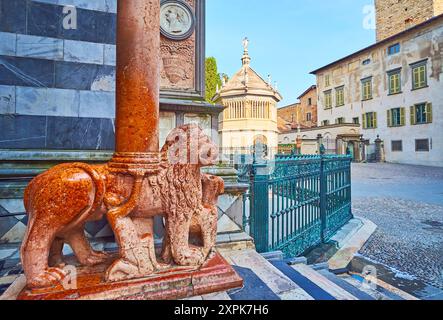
394, 16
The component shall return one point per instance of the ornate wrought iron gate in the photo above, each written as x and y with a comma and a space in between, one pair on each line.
297, 202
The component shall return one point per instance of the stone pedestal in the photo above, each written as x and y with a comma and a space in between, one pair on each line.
174, 283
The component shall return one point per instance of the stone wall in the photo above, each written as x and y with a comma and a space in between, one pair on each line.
288, 113
308, 105
395, 16
298, 112
57, 85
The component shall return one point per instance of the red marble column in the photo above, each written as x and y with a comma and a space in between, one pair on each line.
138, 84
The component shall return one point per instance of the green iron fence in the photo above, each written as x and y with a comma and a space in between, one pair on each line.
297, 202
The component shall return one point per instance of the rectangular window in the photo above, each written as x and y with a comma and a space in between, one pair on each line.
396, 117
394, 81
340, 96
397, 146
370, 120
340, 120
366, 89
421, 113
422, 145
309, 116
327, 80
310, 102
419, 75
328, 99
394, 49
325, 123
356, 120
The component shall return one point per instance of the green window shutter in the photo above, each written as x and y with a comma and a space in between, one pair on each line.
389, 118
402, 116
365, 126
413, 116
429, 112
374, 120
415, 78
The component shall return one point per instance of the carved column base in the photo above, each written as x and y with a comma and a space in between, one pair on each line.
126, 162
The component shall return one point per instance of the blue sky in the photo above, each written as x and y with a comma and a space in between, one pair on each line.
288, 38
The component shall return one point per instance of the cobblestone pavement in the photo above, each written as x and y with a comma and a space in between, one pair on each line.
406, 202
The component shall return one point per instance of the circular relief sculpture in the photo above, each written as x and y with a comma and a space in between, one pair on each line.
177, 20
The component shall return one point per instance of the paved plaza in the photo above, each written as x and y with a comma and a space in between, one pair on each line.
406, 202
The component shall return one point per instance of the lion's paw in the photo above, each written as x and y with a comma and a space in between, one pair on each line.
122, 270
51, 277
193, 257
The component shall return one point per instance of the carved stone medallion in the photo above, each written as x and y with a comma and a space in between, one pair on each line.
177, 20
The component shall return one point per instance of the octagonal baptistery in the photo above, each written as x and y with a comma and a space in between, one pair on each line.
250, 115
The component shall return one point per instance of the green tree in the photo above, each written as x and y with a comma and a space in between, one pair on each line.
213, 78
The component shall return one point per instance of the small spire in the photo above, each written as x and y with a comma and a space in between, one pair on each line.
269, 80
246, 59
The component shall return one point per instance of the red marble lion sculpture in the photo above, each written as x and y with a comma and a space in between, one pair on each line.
61, 200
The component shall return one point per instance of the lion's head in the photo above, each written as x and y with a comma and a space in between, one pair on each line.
189, 145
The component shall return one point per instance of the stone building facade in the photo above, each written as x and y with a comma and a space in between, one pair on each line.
289, 113
250, 114
394, 91
302, 113
395, 16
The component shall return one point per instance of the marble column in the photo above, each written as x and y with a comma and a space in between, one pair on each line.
137, 85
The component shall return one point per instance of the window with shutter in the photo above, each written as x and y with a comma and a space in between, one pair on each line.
413, 119
396, 117
370, 120
328, 99
422, 113
366, 89
429, 113
340, 96
402, 116
419, 75
394, 81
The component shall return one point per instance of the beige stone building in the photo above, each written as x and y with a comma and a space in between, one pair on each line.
394, 91
250, 114
395, 16
391, 91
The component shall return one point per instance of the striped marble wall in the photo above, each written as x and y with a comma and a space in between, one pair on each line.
57, 85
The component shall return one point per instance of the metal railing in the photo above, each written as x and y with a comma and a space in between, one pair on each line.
297, 202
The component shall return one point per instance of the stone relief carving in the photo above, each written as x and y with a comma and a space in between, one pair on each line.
178, 59
176, 20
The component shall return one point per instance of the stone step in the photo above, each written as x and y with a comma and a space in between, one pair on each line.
356, 292
376, 293
305, 283
272, 277
324, 283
